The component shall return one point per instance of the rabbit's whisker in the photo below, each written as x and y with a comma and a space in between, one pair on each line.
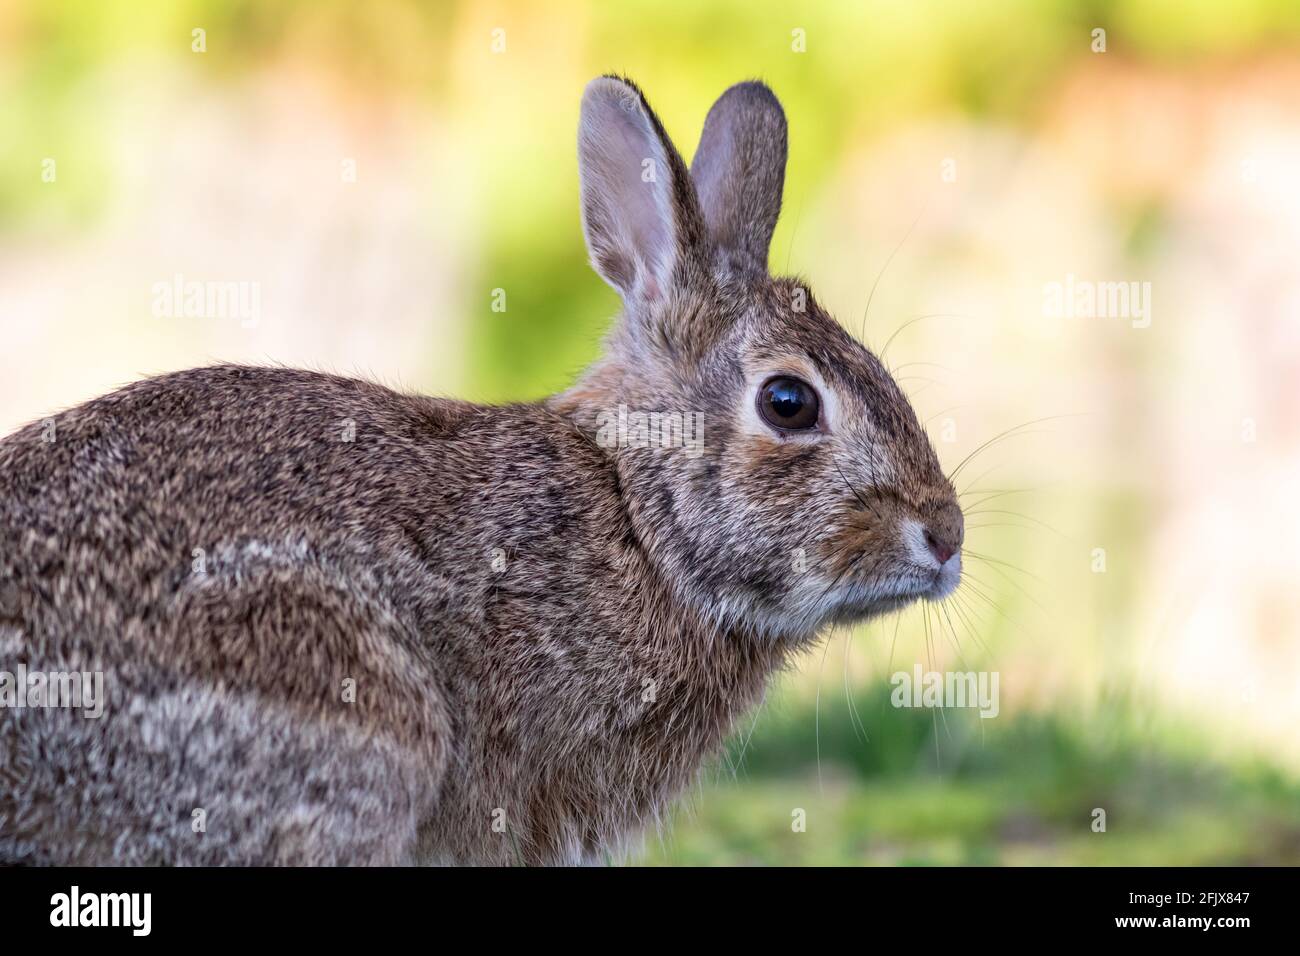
880, 275
859, 728
853, 491
1023, 517
1014, 432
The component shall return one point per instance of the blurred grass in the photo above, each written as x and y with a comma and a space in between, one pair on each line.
925, 790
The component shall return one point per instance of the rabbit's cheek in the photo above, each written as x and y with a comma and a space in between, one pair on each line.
856, 550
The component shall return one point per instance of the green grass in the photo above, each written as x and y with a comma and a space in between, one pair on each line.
1023, 792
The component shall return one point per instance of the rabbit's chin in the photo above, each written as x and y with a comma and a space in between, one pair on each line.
855, 611
863, 601
800, 616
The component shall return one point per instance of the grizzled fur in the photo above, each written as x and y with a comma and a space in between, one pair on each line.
546, 637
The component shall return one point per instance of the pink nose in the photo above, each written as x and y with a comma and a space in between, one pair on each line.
939, 547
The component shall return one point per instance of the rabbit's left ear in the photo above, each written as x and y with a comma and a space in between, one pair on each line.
639, 211
739, 171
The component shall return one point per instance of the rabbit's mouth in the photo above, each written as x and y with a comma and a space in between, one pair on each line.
916, 557
945, 579
936, 583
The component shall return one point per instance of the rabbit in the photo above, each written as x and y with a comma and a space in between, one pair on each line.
341, 625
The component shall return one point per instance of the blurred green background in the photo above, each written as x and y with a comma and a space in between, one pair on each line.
381, 170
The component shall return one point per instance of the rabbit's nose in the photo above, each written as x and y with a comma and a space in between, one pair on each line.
943, 536
941, 549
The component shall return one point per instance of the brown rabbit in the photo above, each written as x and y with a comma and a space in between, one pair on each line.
336, 624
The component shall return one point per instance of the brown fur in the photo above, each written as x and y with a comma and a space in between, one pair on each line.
547, 636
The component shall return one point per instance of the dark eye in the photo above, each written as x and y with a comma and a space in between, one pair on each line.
788, 404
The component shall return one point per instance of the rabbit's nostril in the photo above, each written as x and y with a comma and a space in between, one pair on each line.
942, 550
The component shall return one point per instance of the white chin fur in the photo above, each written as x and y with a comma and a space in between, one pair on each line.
947, 578
862, 600
805, 612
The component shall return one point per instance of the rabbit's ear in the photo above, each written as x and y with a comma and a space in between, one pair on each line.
639, 211
739, 170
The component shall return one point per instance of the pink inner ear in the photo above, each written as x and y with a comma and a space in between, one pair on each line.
628, 218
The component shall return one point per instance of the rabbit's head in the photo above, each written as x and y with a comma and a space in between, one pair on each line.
770, 463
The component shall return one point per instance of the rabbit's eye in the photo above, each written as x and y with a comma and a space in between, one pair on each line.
788, 404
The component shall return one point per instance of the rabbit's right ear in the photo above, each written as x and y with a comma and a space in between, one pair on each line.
640, 216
